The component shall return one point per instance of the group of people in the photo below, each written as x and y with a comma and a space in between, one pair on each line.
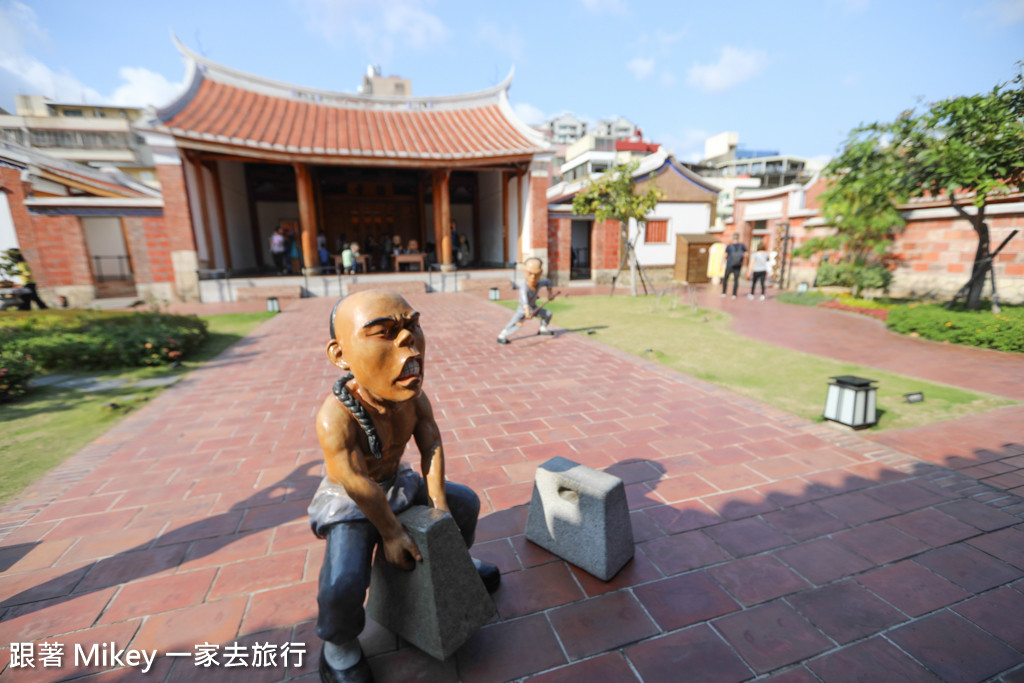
285, 250
734, 256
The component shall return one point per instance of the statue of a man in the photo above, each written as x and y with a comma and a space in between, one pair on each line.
363, 429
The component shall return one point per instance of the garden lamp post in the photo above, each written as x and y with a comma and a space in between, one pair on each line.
851, 401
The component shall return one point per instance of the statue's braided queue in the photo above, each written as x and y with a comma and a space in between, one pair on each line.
359, 412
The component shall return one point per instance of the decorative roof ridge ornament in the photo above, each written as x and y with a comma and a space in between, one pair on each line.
214, 71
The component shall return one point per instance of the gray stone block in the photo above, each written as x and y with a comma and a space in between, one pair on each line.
581, 515
442, 602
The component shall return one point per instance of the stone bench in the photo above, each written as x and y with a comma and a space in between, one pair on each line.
440, 603
249, 293
581, 515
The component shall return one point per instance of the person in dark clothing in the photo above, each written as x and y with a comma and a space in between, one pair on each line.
734, 254
23, 277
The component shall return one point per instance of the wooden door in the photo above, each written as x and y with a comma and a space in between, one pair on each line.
697, 263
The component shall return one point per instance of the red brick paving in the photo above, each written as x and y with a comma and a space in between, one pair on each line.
767, 546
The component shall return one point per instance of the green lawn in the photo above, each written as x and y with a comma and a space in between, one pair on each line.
700, 344
50, 423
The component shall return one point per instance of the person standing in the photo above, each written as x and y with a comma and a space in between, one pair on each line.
23, 277
759, 269
734, 254
277, 249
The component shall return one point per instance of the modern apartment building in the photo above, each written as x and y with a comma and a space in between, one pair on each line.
92, 134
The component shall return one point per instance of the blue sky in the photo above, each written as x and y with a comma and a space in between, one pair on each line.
791, 75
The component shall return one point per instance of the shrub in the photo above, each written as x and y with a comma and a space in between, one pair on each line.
1004, 331
95, 341
804, 298
875, 276
858, 276
834, 275
15, 373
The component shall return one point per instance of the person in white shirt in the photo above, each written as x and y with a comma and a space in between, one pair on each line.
759, 270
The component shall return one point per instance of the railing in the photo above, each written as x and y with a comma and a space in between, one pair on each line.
111, 268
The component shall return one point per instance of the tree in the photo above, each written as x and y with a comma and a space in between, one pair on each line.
613, 195
966, 149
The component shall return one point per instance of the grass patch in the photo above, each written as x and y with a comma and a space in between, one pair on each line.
700, 344
44, 427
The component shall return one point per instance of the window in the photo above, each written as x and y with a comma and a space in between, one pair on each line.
656, 232
759, 226
73, 112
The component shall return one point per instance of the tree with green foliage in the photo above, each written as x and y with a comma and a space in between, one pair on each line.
613, 196
967, 150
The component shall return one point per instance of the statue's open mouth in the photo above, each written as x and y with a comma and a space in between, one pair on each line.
412, 370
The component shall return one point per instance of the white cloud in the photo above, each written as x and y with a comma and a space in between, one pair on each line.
687, 144
605, 6
502, 39
22, 73
530, 114
378, 28
640, 67
666, 39
732, 68
31, 77
18, 28
142, 87
1008, 11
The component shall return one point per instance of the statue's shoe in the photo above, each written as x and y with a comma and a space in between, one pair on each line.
490, 574
357, 673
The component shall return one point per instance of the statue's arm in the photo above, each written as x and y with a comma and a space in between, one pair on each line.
428, 440
346, 465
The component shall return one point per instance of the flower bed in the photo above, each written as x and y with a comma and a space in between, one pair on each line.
880, 313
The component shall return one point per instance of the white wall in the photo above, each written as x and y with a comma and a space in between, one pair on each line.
104, 237
8, 238
489, 250
682, 218
198, 228
268, 216
236, 214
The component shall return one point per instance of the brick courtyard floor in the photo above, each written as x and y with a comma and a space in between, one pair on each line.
768, 547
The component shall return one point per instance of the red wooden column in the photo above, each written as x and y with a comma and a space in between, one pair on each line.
443, 218
307, 214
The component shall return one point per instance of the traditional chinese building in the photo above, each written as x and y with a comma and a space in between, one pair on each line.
582, 247
85, 232
238, 155
931, 255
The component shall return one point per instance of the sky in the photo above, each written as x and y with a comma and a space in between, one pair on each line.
792, 76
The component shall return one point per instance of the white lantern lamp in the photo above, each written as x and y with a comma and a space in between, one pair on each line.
851, 401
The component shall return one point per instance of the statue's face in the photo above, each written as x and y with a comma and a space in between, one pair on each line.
379, 340
533, 273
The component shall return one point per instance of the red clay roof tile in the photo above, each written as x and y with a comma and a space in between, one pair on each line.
242, 111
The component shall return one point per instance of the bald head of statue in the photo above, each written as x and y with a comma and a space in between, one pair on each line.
376, 335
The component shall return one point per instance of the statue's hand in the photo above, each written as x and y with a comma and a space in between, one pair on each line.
401, 551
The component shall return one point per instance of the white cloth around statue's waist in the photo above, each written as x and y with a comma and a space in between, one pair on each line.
331, 503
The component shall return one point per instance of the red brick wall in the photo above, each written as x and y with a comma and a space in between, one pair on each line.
539, 211
559, 242
62, 257
177, 217
605, 245
54, 246
947, 246
11, 185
